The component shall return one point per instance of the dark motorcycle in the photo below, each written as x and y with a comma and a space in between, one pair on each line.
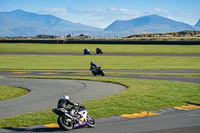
68, 122
99, 51
86, 52
97, 71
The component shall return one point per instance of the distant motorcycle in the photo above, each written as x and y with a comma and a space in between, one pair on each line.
97, 71
68, 122
99, 51
86, 51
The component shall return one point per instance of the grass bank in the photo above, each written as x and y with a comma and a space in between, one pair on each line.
141, 95
8, 92
9, 62
153, 74
111, 48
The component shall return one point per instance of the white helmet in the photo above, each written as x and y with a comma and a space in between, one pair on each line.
65, 97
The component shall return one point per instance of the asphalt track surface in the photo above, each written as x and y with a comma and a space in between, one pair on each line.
76, 73
105, 54
44, 93
178, 121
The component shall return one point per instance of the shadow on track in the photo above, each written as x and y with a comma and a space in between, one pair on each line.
37, 128
197, 104
33, 129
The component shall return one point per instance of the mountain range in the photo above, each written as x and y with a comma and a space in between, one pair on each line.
197, 24
149, 24
22, 23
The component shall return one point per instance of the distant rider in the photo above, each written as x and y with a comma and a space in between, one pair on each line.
98, 51
64, 102
86, 51
93, 66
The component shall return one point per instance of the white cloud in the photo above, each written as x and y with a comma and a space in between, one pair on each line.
59, 12
113, 9
98, 17
101, 11
160, 10
123, 10
101, 16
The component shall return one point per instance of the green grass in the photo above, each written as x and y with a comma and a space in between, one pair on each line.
80, 72
155, 74
8, 92
78, 48
9, 62
141, 95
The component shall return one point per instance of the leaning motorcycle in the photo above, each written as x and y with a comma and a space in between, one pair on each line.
99, 51
97, 71
86, 52
68, 122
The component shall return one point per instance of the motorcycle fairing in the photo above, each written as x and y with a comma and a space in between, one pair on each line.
81, 123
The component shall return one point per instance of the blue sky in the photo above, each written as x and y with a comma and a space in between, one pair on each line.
101, 13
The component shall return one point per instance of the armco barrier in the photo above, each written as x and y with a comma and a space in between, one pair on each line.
73, 41
134, 42
34, 41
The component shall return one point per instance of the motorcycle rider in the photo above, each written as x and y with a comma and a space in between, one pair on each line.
93, 66
98, 51
86, 51
64, 102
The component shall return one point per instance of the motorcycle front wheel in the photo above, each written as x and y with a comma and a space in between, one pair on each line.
64, 123
90, 122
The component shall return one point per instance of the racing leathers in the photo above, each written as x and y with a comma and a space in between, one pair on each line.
63, 103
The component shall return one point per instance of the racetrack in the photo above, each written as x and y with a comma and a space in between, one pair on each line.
48, 91
138, 76
44, 93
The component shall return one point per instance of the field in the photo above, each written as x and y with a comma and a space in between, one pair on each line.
111, 48
23, 62
141, 95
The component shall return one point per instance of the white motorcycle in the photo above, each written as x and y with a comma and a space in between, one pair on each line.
68, 122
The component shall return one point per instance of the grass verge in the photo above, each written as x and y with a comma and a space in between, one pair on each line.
141, 95
106, 62
156, 74
111, 48
8, 92
80, 72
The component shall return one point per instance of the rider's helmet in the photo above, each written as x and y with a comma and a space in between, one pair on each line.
92, 63
65, 97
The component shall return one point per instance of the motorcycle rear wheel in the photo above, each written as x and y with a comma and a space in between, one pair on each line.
63, 124
94, 73
101, 72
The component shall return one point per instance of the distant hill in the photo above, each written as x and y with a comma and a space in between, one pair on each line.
186, 33
21, 23
148, 24
197, 24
